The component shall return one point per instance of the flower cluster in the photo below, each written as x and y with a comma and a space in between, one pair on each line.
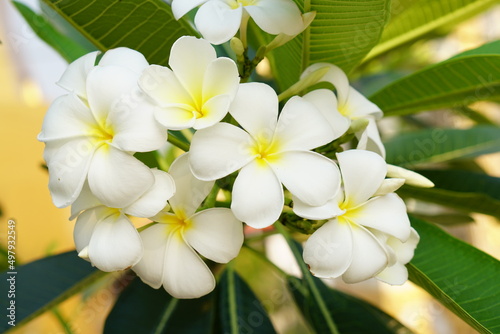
121, 105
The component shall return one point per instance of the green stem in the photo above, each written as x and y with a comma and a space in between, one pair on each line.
211, 198
264, 258
169, 309
65, 325
177, 142
232, 299
308, 278
243, 29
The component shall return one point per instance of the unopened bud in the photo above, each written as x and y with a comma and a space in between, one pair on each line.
389, 186
84, 253
412, 178
237, 46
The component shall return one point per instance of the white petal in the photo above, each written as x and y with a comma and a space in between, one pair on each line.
255, 108
155, 198
190, 191
85, 224
68, 117
336, 77
107, 86
216, 234
257, 195
85, 201
358, 106
368, 256
326, 211
218, 151
125, 57
389, 186
74, 79
150, 267
176, 117
217, 21
326, 102
134, 125
309, 176
117, 178
214, 110
369, 139
115, 244
181, 7
396, 274
68, 168
161, 84
301, 126
328, 251
185, 274
411, 177
189, 59
405, 250
386, 214
363, 172
277, 16
221, 78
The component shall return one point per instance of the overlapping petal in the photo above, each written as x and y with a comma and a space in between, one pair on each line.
126, 58
309, 176
360, 182
328, 252
182, 7
74, 79
219, 150
255, 108
217, 21
185, 274
213, 111
277, 16
190, 191
326, 211
115, 244
151, 266
216, 234
301, 126
257, 195
117, 178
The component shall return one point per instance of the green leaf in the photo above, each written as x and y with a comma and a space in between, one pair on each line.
413, 19
147, 26
439, 145
342, 34
345, 309
239, 309
459, 81
464, 201
461, 277
42, 284
142, 309
65, 46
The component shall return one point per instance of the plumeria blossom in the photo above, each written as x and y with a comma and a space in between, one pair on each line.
349, 105
367, 230
219, 20
105, 236
269, 152
92, 133
171, 246
197, 90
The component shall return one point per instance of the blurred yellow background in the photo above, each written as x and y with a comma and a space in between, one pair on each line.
43, 229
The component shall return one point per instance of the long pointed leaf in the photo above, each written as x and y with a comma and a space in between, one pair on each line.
413, 19
239, 309
342, 34
461, 277
459, 81
147, 26
43, 284
439, 145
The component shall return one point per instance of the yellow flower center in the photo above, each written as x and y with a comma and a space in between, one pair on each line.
176, 224
236, 3
265, 149
345, 110
102, 132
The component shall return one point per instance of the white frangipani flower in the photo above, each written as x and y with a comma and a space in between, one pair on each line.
349, 105
361, 237
92, 133
270, 152
197, 91
219, 20
172, 245
105, 236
